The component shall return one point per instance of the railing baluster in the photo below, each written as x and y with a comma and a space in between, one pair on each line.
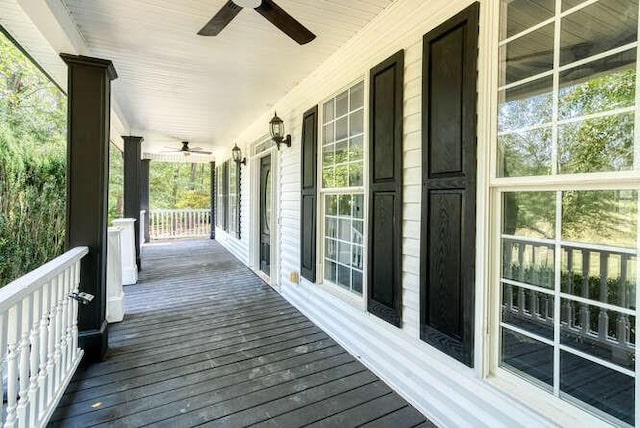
3, 357
585, 312
51, 333
57, 353
13, 337
23, 402
623, 327
603, 316
567, 307
44, 326
35, 359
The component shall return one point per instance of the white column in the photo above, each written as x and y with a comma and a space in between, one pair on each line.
115, 294
128, 246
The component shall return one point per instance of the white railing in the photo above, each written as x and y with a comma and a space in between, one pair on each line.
187, 223
39, 340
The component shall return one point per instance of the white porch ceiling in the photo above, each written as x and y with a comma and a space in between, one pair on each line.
174, 85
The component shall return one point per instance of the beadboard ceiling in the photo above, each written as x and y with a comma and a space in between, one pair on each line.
174, 85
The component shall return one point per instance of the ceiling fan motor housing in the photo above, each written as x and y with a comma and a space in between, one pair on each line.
248, 3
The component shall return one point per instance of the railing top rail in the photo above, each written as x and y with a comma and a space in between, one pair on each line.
175, 210
16, 290
572, 244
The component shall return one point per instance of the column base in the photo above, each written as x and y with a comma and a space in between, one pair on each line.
130, 275
94, 343
115, 308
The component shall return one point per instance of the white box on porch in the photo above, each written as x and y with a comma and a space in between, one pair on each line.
115, 293
128, 245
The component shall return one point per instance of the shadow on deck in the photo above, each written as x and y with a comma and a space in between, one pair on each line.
205, 341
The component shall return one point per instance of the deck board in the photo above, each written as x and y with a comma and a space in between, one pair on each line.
205, 341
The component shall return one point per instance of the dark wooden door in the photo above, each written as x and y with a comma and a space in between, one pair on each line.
448, 185
265, 214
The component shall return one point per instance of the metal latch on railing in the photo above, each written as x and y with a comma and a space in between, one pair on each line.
82, 297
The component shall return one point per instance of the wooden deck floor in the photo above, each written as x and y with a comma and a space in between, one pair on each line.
206, 342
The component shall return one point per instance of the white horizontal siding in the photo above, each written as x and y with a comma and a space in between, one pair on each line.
448, 392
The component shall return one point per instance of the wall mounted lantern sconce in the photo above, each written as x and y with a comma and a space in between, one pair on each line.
236, 155
276, 126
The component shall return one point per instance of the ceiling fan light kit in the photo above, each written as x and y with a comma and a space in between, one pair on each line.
267, 8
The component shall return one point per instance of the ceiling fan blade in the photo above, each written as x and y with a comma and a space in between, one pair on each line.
170, 151
193, 149
285, 22
220, 20
202, 152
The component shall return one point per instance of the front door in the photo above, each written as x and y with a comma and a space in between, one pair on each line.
265, 215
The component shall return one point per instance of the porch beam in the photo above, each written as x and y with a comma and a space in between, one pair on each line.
89, 95
132, 190
144, 195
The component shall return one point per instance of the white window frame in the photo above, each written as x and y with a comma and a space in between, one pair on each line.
490, 190
357, 301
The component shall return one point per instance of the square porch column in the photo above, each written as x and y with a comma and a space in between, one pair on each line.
144, 196
89, 109
132, 201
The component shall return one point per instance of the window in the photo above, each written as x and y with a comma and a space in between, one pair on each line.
342, 165
569, 243
234, 198
222, 189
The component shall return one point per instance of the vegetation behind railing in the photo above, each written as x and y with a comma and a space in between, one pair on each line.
33, 115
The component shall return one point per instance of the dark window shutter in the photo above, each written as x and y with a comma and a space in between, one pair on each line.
226, 196
238, 188
447, 251
385, 190
214, 200
309, 194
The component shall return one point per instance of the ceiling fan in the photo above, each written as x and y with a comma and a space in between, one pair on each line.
267, 8
186, 150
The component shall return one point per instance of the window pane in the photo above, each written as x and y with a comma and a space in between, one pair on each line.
330, 249
331, 202
596, 145
598, 386
528, 310
598, 332
523, 14
527, 356
330, 271
328, 133
355, 174
357, 236
528, 55
598, 28
525, 153
583, 270
342, 152
344, 230
356, 256
344, 276
328, 155
344, 208
357, 96
342, 128
328, 177
604, 217
328, 111
356, 281
356, 122
342, 104
529, 214
355, 149
598, 86
526, 105
331, 227
358, 206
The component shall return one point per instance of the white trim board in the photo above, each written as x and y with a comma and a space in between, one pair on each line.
442, 389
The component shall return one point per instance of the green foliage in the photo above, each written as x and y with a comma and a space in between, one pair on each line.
179, 185
32, 165
116, 183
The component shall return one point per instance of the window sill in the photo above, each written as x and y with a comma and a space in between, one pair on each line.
346, 296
